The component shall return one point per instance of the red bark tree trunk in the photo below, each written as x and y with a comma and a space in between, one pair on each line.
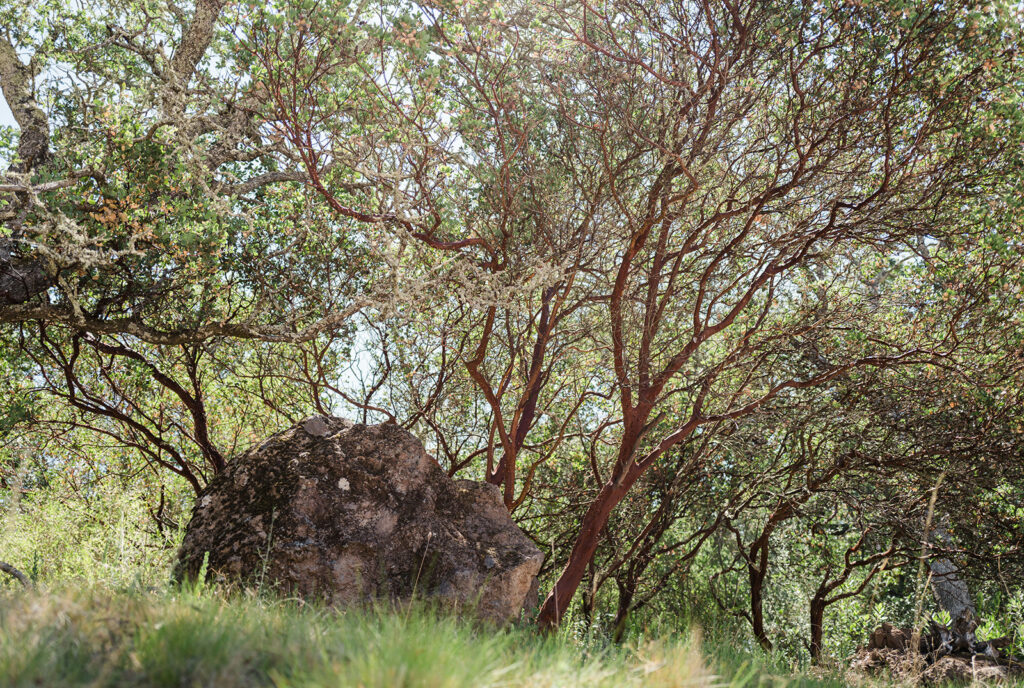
625, 474
583, 549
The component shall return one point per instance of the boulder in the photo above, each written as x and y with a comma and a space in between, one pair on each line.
349, 513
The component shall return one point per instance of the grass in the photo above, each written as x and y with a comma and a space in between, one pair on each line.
101, 638
97, 637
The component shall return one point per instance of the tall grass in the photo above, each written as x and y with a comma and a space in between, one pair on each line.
97, 638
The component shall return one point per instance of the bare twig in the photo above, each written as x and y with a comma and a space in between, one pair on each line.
915, 637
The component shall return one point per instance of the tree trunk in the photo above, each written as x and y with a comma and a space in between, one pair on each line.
626, 592
817, 624
627, 471
950, 590
756, 573
583, 549
757, 608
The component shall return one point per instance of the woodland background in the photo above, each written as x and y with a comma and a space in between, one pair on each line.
725, 296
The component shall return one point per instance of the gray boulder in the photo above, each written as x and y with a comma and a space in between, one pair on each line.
348, 513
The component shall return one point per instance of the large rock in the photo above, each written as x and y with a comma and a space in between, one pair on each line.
348, 513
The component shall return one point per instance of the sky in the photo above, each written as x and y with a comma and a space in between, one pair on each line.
6, 118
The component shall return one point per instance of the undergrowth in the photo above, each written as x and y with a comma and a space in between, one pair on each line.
96, 637
104, 614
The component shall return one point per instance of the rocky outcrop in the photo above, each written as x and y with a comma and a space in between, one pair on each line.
944, 654
909, 668
888, 637
348, 513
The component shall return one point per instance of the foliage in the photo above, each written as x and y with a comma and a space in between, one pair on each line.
89, 530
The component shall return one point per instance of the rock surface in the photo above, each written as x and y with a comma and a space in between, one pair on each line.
937, 660
888, 637
347, 513
912, 668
